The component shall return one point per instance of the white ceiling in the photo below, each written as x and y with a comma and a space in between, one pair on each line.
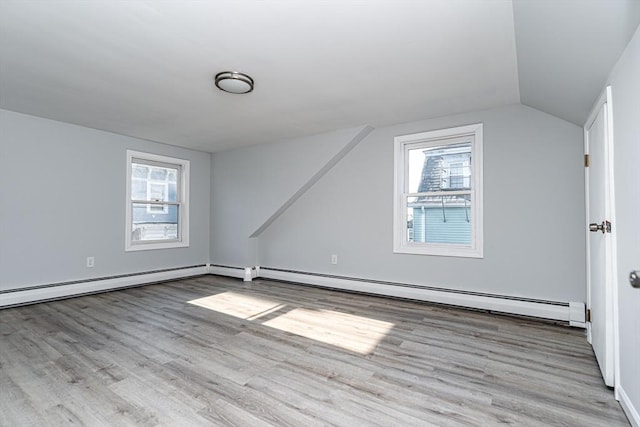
145, 68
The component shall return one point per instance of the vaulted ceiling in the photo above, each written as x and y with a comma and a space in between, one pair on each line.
145, 68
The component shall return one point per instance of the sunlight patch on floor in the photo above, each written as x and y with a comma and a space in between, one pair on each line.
239, 305
348, 331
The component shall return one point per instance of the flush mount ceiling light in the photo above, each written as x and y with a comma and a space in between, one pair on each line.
234, 82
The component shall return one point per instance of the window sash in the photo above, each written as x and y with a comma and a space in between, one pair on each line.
151, 181
453, 233
163, 229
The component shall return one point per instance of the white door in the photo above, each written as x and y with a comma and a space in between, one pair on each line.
600, 274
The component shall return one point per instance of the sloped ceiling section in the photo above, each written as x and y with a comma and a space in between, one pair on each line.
566, 50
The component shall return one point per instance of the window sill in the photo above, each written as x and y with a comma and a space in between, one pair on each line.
438, 250
155, 245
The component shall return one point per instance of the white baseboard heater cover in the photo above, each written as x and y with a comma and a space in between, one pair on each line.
572, 312
55, 291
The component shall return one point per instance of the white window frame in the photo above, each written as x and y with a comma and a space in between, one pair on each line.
402, 145
182, 203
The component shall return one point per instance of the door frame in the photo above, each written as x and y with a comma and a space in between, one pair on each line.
611, 272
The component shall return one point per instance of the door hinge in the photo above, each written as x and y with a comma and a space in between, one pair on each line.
588, 315
586, 161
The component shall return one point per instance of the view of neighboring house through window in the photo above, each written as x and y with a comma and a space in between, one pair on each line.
438, 192
156, 201
155, 183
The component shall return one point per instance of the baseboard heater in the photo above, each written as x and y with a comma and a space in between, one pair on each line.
53, 291
245, 273
571, 312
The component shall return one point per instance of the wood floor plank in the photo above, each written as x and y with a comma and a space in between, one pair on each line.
212, 387
212, 350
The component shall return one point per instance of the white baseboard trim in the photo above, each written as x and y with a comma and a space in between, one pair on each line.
570, 312
47, 293
533, 308
627, 406
238, 272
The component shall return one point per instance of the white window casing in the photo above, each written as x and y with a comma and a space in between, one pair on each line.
160, 221
450, 146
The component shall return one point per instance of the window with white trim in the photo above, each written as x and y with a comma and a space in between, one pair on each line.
438, 192
157, 214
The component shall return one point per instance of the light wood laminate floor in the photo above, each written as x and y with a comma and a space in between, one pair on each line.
217, 351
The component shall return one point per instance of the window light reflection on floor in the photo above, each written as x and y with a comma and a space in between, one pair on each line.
348, 331
238, 305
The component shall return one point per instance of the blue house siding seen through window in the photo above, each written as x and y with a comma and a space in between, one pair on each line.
441, 225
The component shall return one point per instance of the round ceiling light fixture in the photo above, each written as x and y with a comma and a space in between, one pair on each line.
234, 82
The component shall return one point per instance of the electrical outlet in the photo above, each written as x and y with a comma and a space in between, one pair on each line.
91, 261
334, 259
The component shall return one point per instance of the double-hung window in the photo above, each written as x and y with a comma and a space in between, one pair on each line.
438, 192
157, 214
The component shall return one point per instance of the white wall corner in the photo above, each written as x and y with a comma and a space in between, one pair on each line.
577, 315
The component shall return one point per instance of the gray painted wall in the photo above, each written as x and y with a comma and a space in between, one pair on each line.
250, 184
625, 86
63, 199
534, 240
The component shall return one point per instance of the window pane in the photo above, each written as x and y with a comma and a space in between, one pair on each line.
158, 192
172, 195
154, 183
439, 219
441, 168
139, 171
154, 222
158, 174
139, 189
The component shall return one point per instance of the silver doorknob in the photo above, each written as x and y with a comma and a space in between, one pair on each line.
634, 279
595, 227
